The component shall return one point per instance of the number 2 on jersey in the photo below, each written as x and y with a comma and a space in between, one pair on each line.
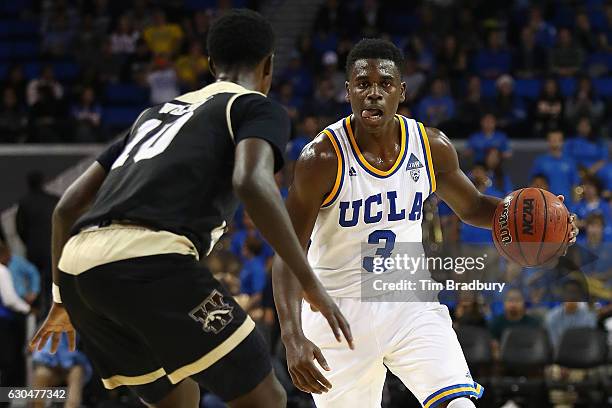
384, 251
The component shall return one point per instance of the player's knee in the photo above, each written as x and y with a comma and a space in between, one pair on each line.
461, 403
278, 396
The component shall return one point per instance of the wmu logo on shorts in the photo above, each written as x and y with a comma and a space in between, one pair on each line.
213, 313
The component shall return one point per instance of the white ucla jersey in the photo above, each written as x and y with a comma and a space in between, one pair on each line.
368, 205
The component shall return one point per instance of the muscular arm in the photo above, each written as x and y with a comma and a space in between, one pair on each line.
455, 188
314, 177
74, 202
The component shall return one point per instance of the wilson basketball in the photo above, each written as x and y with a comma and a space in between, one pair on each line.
531, 227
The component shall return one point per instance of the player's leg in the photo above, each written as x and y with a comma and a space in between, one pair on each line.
357, 376
75, 380
427, 357
269, 393
185, 394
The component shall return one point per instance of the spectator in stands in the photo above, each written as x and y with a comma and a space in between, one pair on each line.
415, 79
585, 35
605, 34
123, 40
330, 71
324, 103
586, 149
467, 34
16, 80
162, 81
299, 75
368, 20
330, 15
163, 38
568, 315
33, 223
292, 103
137, 64
13, 120
253, 276
509, 107
539, 180
514, 315
308, 130
584, 103
11, 329
493, 161
423, 54
26, 282
469, 311
494, 60
487, 138
88, 41
45, 82
549, 108
560, 170
594, 256
545, 33
47, 117
470, 109
67, 367
592, 202
87, 116
605, 176
57, 36
192, 68
141, 14
240, 237
529, 59
437, 107
566, 58
451, 59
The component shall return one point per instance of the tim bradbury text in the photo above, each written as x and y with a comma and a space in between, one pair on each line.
426, 284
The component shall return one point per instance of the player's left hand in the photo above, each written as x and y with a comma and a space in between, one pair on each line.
56, 323
573, 233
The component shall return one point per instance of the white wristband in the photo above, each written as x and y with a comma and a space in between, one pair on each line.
55, 290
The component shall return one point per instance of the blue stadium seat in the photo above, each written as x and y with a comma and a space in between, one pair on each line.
126, 94
26, 49
31, 70
487, 88
200, 4
66, 71
120, 117
6, 50
599, 61
528, 88
603, 86
3, 71
568, 86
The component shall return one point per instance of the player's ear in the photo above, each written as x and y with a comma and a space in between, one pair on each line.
269, 65
347, 96
211, 67
403, 95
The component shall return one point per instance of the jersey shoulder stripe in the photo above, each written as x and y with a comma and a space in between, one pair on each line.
335, 192
427, 154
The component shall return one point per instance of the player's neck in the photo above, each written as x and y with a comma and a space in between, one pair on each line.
381, 139
244, 79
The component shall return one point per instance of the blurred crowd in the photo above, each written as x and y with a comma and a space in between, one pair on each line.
487, 72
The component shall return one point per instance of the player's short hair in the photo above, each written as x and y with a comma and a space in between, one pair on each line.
240, 38
374, 48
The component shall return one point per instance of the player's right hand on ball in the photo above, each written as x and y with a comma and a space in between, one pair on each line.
56, 323
305, 375
321, 302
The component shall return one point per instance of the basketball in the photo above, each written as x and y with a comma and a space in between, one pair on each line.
531, 227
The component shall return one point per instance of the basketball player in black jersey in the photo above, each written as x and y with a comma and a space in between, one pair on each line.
128, 233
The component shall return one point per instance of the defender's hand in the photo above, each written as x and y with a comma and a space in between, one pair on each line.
301, 353
321, 302
56, 323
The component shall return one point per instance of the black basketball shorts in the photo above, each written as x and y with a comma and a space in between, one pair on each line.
150, 322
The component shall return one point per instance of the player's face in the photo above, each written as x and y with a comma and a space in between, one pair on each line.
375, 90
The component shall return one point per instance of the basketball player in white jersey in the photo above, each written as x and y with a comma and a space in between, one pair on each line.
364, 180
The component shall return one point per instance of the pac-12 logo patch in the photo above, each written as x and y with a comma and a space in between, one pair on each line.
213, 313
414, 165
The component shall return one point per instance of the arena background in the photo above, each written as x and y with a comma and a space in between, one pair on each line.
496, 77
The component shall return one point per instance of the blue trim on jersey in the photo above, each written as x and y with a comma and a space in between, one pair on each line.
425, 157
342, 160
476, 391
399, 166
